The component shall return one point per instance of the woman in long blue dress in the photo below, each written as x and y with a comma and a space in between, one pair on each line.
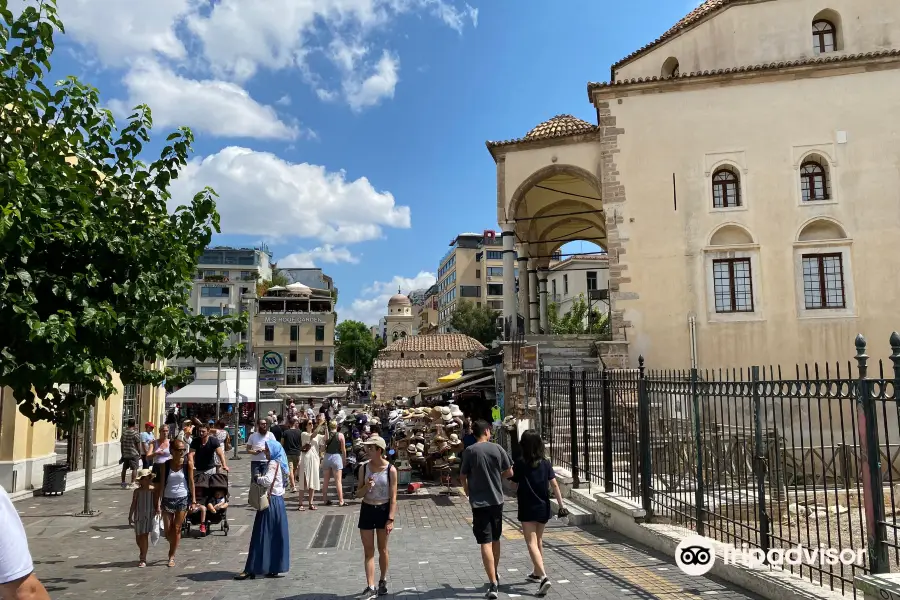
270, 552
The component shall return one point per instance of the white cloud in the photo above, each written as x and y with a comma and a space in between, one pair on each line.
284, 100
216, 107
263, 195
307, 259
372, 305
118, 30
234, 39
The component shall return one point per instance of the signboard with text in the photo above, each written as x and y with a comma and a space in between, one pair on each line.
294, 319
529, 357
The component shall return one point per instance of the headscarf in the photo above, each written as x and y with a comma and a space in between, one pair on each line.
276, 452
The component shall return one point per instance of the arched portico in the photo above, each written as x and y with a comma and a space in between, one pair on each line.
549, 192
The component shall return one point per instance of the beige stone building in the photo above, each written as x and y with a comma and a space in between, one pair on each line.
471, 270
741, 174
25, 447
575, 276
416, 362
400, 321
293, 336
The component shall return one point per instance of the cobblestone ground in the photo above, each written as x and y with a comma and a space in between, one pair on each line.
433, 555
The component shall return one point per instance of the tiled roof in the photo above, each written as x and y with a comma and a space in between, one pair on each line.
819, 60
708, 7
559, 126
438, 342
418, 363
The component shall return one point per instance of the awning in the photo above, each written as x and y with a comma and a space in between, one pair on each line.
203, 391
306, 392
450, 377
461, 383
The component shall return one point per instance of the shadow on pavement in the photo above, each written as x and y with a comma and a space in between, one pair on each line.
209, 576
58, 584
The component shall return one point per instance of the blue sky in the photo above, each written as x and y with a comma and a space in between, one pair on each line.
349, 134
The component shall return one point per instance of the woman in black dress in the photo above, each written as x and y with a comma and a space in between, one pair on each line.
533, 474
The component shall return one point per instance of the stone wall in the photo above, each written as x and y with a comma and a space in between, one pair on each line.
613, 354
387, 383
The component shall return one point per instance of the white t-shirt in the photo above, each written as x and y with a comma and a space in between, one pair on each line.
258, 442
15, 559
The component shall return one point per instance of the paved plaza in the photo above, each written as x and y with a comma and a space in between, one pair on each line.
433, 555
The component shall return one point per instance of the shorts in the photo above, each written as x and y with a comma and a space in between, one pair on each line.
487, 524
174, 505
334, 462
374, 516
294, 461
131, 462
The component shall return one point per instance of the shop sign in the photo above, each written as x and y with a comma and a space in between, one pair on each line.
273, 362
529, 355
295, 319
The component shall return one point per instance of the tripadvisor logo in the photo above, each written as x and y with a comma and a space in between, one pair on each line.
696, 555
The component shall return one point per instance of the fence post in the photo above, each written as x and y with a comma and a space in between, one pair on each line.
644, 439
870, 451
761, 465
573, 429
607, 433
586, 438
699, 508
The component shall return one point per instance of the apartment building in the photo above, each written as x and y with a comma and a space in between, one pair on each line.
293, 333
471, 270
576, 276
426, 313
223, 275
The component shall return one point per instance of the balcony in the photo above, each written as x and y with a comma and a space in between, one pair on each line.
214, 278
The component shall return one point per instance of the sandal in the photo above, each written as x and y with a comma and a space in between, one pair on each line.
342, 505
311, 507
301, 508
171, 562
328, 503
242, 576
142, 563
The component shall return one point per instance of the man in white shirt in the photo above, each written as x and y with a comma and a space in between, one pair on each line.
17, 580
256, 445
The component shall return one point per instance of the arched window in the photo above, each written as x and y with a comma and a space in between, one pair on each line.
395, 336
671, 68
402, 355
403, 334
824, 36
449, 355
814, 181
422, 355
726, 189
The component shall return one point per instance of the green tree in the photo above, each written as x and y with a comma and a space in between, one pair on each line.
278, 279
576, 320
95, 272
356, 348
479, 322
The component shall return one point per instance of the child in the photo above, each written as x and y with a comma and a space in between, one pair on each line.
217, 502
199, 508
533, 475
141, 513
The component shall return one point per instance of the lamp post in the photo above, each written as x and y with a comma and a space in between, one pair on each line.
222, 307
250, 296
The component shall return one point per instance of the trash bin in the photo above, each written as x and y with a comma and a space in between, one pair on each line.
55, 479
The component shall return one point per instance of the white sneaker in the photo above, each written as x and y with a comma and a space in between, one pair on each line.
544, 587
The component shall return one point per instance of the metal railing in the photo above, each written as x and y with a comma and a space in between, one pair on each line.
755, 457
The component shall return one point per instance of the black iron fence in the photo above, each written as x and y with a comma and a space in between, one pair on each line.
755, 457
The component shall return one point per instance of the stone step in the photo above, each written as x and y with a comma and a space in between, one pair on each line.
578, 515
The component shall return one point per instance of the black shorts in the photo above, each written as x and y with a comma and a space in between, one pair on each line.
374, 516
130, 462
487, 524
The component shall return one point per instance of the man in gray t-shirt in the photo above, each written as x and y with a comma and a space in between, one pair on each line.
484, 466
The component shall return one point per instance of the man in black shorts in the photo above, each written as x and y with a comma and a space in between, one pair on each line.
484, 466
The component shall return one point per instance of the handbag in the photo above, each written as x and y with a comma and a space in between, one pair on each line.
259, 495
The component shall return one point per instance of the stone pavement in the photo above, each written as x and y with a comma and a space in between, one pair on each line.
433, 555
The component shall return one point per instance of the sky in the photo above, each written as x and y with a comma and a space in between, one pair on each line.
350, 134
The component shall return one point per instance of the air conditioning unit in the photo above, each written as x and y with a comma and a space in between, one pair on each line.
490, 234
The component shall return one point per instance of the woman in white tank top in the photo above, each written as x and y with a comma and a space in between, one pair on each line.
176, 495
378, 490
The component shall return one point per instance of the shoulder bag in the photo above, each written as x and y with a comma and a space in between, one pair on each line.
259, 495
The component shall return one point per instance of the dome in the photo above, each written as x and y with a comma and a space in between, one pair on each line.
558, 126
399, 300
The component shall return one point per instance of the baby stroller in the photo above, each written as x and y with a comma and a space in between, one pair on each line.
205, 488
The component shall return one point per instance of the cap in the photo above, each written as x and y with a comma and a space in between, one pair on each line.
149, 424
375, 440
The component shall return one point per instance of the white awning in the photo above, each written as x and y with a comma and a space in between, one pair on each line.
203, 391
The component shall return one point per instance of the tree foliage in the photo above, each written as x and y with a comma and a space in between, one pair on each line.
356, 348
576, 320
479, 322
95, 272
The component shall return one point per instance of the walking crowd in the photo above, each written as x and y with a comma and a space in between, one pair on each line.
185, 478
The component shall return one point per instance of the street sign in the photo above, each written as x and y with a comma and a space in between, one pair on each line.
272, 361
529, 357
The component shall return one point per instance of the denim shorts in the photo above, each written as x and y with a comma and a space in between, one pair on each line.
334, 462
174, 505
